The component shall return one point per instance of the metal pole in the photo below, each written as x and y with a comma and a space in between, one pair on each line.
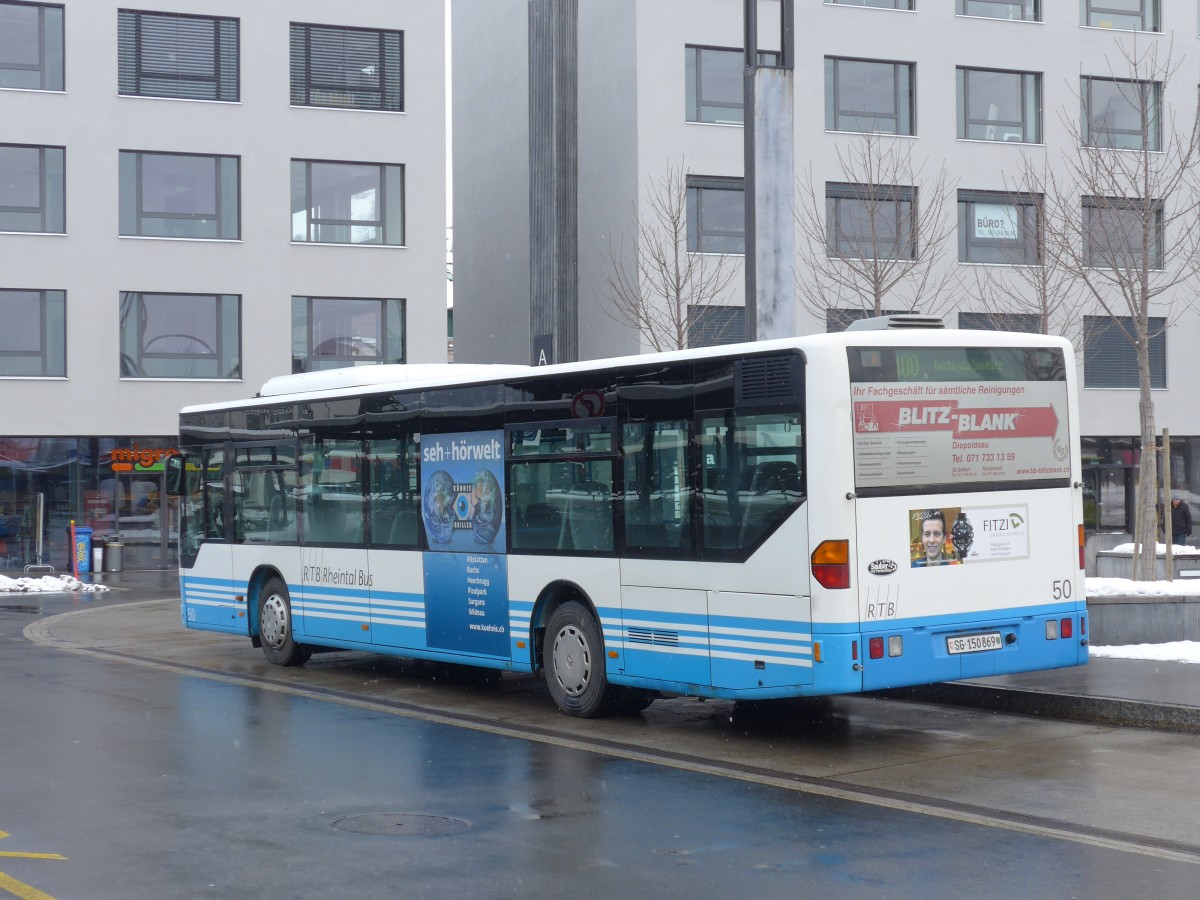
750, 49
1168, 530
770, 181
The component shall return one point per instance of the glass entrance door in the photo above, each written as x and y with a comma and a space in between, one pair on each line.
142, 520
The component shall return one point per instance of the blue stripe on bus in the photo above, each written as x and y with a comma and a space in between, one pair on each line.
960, 618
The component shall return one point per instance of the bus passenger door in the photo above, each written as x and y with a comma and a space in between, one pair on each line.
335, 578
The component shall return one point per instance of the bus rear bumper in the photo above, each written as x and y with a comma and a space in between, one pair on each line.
902, 657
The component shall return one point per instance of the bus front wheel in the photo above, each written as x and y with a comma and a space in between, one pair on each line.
275, 626
573, 660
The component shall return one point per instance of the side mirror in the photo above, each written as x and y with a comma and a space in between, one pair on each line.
174, 466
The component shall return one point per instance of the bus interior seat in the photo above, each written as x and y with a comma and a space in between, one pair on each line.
542, 527
587, 525
771, 486
404, 528
776, 475
277, 515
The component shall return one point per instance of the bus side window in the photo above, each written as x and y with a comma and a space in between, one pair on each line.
658, 499
331, 478
395, 501
214, 495
751, 477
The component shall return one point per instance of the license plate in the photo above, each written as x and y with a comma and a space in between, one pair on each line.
974, 643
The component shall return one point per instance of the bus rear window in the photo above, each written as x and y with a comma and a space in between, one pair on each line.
927, 417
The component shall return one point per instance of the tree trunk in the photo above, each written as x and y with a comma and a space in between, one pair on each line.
1145, 561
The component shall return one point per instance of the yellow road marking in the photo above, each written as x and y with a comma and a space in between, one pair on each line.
21, 889
14, 853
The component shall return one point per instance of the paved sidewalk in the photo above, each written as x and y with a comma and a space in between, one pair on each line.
1140, 693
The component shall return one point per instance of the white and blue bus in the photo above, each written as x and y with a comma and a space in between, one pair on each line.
895, 505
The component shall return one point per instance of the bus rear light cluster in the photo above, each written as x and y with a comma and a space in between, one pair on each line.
1082, 541
831, 564
895, 646
1063, 628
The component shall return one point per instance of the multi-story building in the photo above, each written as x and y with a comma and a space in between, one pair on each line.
195, 197
567, 113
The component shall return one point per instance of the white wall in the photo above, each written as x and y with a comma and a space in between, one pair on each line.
94, 265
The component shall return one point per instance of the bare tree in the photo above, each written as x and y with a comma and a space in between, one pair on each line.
658, 286
872, 242
1138, 185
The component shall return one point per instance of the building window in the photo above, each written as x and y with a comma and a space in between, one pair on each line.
31, 46
347, 203
998, 228
180, 195
716, 83
999, 106
1130, 15
711, 326
1113, 229
869, 95
174, 55
877, 4
716, 215
181, 335
32, 189
348, 68
1023, 10
863, 222
1026, 323
333, 332
1120, 114
33, 341
1109, 358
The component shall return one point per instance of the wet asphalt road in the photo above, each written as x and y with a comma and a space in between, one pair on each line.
153, 783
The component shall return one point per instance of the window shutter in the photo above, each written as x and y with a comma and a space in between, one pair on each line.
1110, 361
393, 71
229, 61
127, 52
299, 76
170, 55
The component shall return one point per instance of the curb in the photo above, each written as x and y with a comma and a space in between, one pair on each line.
1071, 707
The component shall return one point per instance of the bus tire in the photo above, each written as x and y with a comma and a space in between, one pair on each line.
275, 626
573, 660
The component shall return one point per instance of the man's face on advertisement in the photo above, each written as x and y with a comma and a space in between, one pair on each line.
933, 536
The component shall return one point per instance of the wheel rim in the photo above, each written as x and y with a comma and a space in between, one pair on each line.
274, 622
572, 661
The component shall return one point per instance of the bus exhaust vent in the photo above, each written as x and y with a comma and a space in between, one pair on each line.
653, 636
766, 381
897, 320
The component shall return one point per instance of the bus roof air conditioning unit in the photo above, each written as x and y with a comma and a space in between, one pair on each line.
897, 320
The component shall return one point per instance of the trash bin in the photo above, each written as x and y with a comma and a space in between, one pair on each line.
82, 561
112, 553
97, 553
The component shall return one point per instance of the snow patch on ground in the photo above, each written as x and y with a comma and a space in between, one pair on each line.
48, 584
1175, 651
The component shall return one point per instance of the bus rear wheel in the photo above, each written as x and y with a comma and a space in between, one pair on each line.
573, 660
275, 626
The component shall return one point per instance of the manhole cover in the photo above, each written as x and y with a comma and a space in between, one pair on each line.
400, 823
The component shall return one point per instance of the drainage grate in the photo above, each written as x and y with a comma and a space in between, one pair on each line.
400, 824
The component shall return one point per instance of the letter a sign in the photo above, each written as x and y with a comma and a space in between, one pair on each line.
543, 350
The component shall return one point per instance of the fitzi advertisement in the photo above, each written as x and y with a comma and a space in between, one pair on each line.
952, 535
466, 572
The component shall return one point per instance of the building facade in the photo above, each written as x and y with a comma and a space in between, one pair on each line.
967, 94
195, 198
